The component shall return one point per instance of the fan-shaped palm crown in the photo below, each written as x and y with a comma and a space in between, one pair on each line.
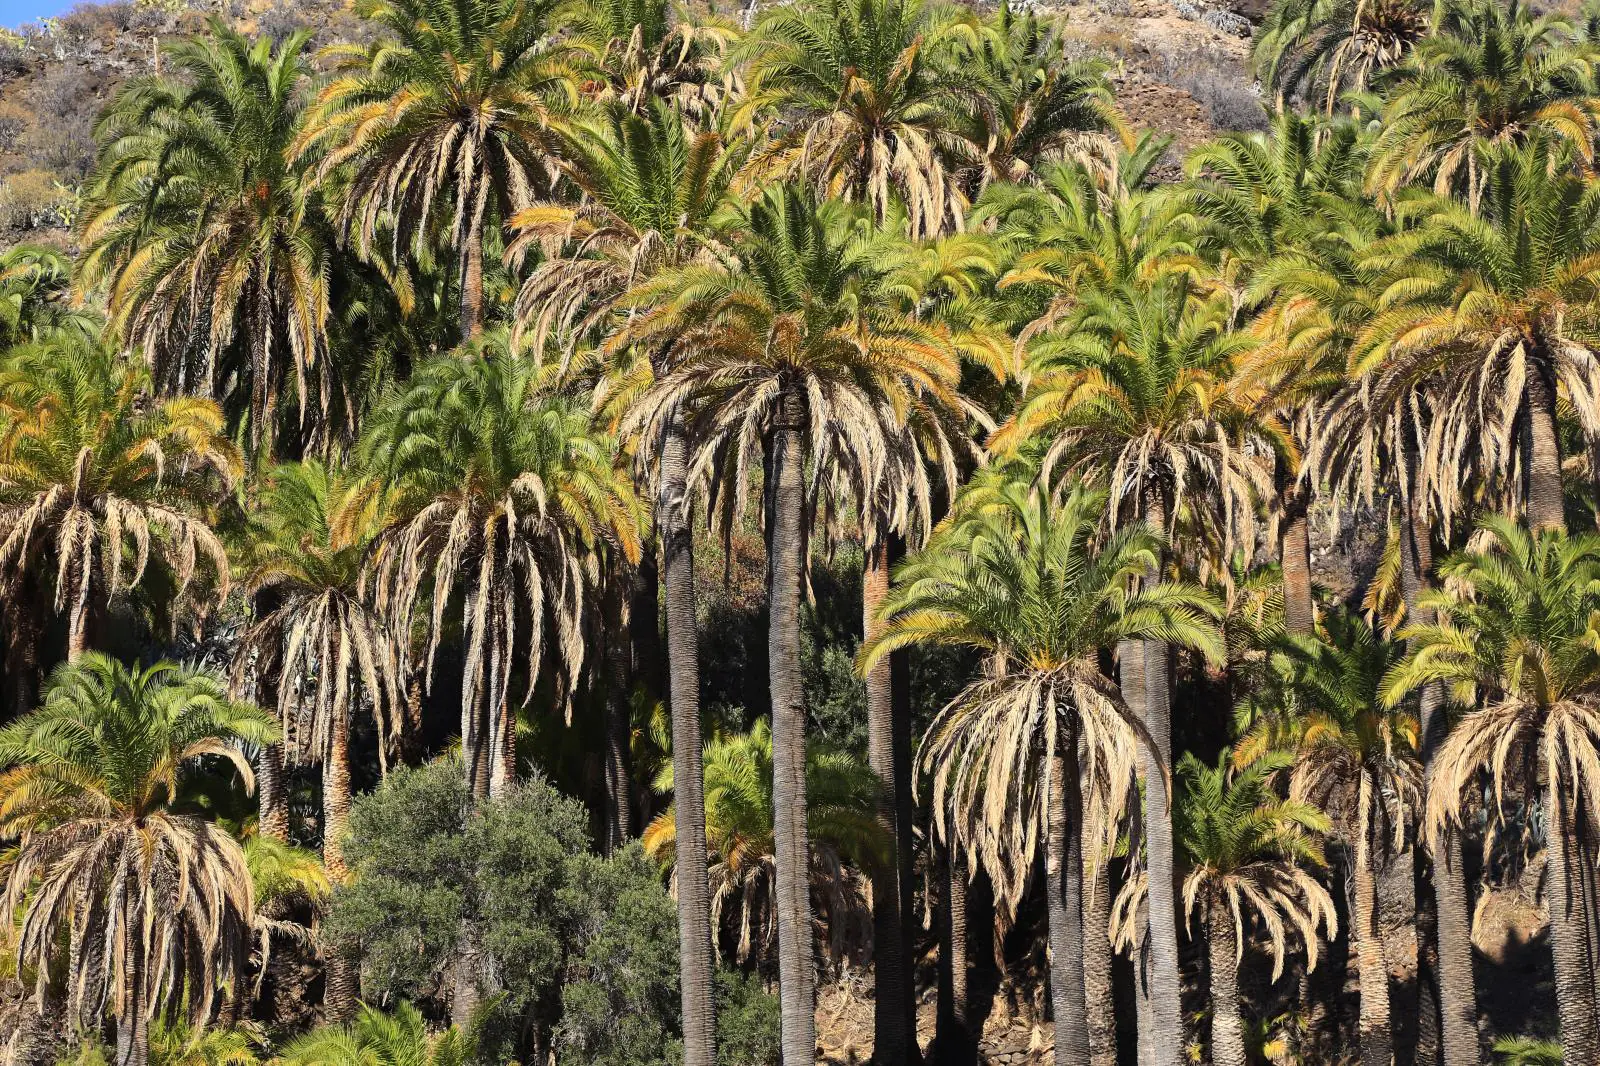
199, 226
1331, 47
153, 908
91, 469
502, 488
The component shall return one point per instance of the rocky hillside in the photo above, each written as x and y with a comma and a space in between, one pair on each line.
1179, 67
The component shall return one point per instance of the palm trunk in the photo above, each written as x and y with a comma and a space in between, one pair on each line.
1295, 556
472, 277
341, 977
1227, 1028
1569, 934
955, 1044
22, 649
796, 973
1446, 941
1064, 904
894, 1029
1097, 962
273, 787
619, 721
697, 959
133, 1024
1377, 1045
1546, 509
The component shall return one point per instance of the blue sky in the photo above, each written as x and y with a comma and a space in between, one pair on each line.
16, 12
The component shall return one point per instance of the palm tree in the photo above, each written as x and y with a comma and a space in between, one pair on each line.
95, 477
1248, 851
1134, 388
501, 488
1334, 47
1492, 75
652, 187
382, 1038
638, 51
312, 532
36, 296
1026, 581
788, 354
1491, 313
1255, 197
215, 265
1031, 106
1355, 758
151, 907
443, 121
869, 95
842, 794
1515, 640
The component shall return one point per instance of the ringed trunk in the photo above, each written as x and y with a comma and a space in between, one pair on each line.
1097, 960
1377, 1044
341, 975
1295, 555
1569, 934
894, 1031
619, 722
472, 277
1227, 1027
1546, 509
697, 958
1064, 904
796, 974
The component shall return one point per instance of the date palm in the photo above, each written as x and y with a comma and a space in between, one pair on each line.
1028, 582
652, 188
868, 100
1492, 313
1494, 74
1333, 47
1514, 641
215, 265
1030, 105
36, 296
789, 355
150, 908
1250, 855
841, 813
96, 477
442, 122
501, 488
382, 1038
638, 51
1356, 759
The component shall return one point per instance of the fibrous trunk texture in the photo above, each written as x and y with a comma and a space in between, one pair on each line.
1377, 1045
697, 960
619, 720
1227, 1027
1545, 507
341, 976
796, 973
1295, 555
1569, 934
1097, 961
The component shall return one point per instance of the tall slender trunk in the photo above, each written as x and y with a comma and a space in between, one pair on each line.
619, 719
341, 975
472, 276
894, 1028
796, 970
1147, 687
133, 1024
1546, 509
1445, 943
954, 1042
1294, 552
1569, 934
1097, 961
1064, 903
1227, 1027
697, 957
1377, 1044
